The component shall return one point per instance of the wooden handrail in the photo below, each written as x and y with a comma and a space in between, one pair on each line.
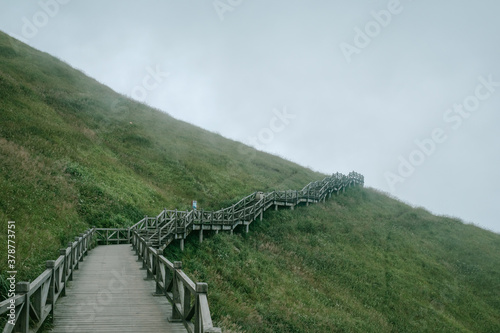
112, 235
45, 289
189, 299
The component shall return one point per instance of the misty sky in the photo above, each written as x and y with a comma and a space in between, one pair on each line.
405, 92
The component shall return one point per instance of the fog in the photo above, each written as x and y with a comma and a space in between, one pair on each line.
405, 92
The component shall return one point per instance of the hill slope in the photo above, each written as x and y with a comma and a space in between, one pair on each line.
362, 262
73, 154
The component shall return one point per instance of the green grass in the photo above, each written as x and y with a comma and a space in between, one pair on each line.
75, 154
362, 262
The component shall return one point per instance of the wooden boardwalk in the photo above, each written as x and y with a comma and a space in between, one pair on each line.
109, 293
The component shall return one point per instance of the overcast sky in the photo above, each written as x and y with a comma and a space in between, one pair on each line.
405, 92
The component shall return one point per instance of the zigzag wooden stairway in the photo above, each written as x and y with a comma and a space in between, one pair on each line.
109, 293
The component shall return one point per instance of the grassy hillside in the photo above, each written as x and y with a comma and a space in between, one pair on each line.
362, 262
74, 154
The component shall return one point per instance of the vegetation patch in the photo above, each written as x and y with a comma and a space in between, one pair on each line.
361, 262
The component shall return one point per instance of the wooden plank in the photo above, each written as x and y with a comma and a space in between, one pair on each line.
109, 294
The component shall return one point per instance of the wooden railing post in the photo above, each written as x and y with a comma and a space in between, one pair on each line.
23, 317
92, 238
186, 302
70, 261
203, 320
149, 264
77, 252
79, 243
176, 297
62, 252
176, 222
158, 231
136, 245
51, 297
139, 242
89, 240
201, 288
83, 236
159, 277
144, 253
